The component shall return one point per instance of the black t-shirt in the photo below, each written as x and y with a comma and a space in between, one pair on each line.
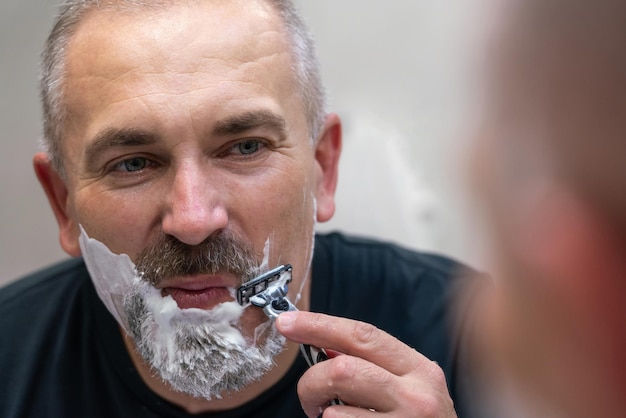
62, 354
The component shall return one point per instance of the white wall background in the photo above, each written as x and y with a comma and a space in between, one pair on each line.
396, 74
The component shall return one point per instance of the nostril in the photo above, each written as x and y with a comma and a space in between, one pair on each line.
192, 227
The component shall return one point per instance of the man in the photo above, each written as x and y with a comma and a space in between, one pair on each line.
550, 170
188, 150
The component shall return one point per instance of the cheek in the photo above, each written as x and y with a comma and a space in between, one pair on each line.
121, 220
279, 207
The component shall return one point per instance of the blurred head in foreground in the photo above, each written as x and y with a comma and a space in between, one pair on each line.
550, 173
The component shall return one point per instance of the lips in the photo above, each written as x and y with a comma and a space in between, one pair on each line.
198, 293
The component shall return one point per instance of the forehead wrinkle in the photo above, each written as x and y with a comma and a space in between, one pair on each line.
175, 82
265, 41
268, 43
262, 39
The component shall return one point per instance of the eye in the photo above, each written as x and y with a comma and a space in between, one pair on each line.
248, 147
132, 164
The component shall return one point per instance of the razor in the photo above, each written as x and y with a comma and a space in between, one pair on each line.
269, 292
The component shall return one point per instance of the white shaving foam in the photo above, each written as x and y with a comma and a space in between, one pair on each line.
112, 275
266, 255
115, 275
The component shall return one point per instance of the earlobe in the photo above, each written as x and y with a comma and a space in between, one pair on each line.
327, 153
57, 194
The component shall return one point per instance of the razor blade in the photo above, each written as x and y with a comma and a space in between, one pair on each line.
261, 283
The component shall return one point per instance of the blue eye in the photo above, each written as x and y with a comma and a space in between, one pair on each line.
248, 147
132, 164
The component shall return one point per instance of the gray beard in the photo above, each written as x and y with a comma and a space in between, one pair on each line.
200, 361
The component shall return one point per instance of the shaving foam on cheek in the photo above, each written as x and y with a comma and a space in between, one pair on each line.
266, 256
266, 326
163, 309
114, 276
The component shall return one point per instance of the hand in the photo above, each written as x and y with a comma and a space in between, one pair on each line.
377, 375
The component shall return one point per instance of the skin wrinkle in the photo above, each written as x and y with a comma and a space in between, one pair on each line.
177, 74
174, 94
151, 95
243, 67
362, 333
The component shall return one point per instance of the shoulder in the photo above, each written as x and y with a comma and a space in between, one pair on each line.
376, 259
407, 293
41, 299
42, 283
47, 320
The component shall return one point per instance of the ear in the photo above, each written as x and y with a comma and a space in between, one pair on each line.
57, 193
327, 152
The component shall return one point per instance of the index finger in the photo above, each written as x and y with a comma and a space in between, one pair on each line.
351, 337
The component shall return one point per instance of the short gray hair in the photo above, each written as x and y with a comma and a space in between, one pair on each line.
52, 75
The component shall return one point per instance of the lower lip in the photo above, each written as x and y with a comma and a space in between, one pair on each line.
199, 299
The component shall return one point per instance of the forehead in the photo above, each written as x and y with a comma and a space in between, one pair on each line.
184, 36
181, 48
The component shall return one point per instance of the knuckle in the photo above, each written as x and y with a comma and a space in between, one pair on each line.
344, 369
429, 397
348, 372
364, 333
317, 319
376, 376
429, 406
437, 375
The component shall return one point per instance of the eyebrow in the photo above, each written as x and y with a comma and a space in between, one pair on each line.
122, 137
250, 120
114, 137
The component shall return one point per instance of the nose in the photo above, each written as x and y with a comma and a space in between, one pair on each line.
194, 208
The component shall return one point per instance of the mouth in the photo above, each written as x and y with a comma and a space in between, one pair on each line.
205, 293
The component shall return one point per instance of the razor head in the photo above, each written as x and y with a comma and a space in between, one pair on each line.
261, 283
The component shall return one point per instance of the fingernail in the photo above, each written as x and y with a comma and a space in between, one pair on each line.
286, 319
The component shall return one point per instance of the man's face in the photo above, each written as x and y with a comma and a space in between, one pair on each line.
186, 122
